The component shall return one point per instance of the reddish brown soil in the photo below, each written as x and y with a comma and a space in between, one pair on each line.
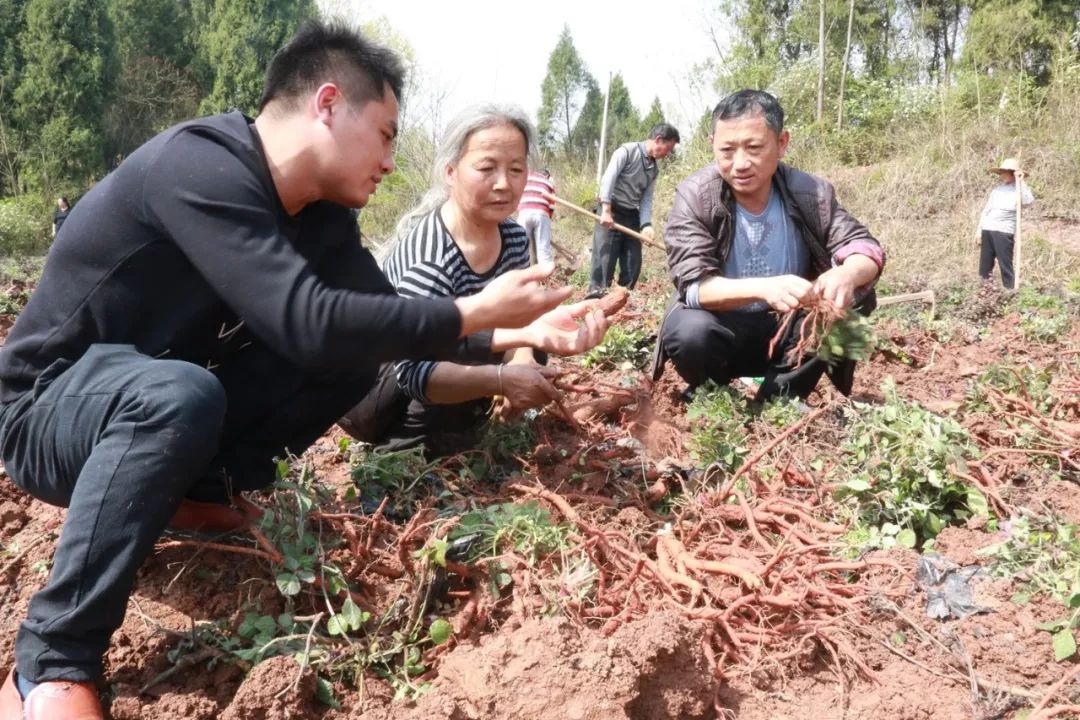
540, 664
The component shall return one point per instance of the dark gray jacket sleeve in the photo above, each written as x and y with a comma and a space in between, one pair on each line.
692, 248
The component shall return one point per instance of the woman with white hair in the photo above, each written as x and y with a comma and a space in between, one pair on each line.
453, 243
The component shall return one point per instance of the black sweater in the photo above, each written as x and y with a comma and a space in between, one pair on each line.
185, 252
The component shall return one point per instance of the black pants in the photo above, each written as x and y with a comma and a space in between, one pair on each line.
120, 439
390, 420
720, 346
997, 245
611, 247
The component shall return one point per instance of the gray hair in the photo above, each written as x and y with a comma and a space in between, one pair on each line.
450, 151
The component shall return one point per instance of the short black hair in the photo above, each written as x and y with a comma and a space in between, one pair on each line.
747, 102
322, 52
665, 131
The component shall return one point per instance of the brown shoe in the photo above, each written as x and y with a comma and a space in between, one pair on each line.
52, 700
208, 517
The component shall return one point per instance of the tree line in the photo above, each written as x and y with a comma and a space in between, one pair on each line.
840, 62
572, 107
84, 82
850, 68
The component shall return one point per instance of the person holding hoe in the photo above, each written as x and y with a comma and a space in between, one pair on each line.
626, 198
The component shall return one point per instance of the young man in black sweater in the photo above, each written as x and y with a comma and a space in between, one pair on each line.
205, 306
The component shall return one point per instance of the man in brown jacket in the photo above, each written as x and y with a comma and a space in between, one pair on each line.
749, 239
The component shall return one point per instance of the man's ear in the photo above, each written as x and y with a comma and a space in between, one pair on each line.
784, 139
327, 100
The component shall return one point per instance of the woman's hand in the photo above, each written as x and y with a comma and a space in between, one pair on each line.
526, 386
568, 329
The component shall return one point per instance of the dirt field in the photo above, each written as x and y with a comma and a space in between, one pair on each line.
639, 584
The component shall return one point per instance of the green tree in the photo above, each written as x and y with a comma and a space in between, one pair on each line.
11, 22
63, 90
624, 124
654, 116
585, 137
240, 38
152, 28
561, 94
154, 89
1014, 36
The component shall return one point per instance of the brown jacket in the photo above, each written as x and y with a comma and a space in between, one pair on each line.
700, 229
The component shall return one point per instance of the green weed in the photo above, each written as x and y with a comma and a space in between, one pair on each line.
719, 416
1044, 553
581, 277
1044, 317
781, 411
402, 477
526, 530
1023, 381
897, 471
623, 349
502, 442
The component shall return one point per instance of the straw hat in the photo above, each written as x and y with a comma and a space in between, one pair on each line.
1009, 164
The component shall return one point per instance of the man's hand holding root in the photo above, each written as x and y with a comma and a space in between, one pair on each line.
837, 285
785, 293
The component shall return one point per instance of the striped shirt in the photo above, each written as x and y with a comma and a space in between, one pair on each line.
533, 198
428, 263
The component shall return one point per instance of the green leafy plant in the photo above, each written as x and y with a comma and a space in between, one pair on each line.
718, 416
1044, 553
502, 442
849, 338
623, 349
581, 277
1031, 383
782, 411
525, 529
897, 471
1043, 317
402, 477
339, 639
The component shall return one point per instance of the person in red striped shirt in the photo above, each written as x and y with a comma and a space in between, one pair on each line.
534, 214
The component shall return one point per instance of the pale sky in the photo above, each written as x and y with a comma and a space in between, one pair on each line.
496, 50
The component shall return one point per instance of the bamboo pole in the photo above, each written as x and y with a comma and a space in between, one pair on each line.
621, 228
1018, 178
603, 135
